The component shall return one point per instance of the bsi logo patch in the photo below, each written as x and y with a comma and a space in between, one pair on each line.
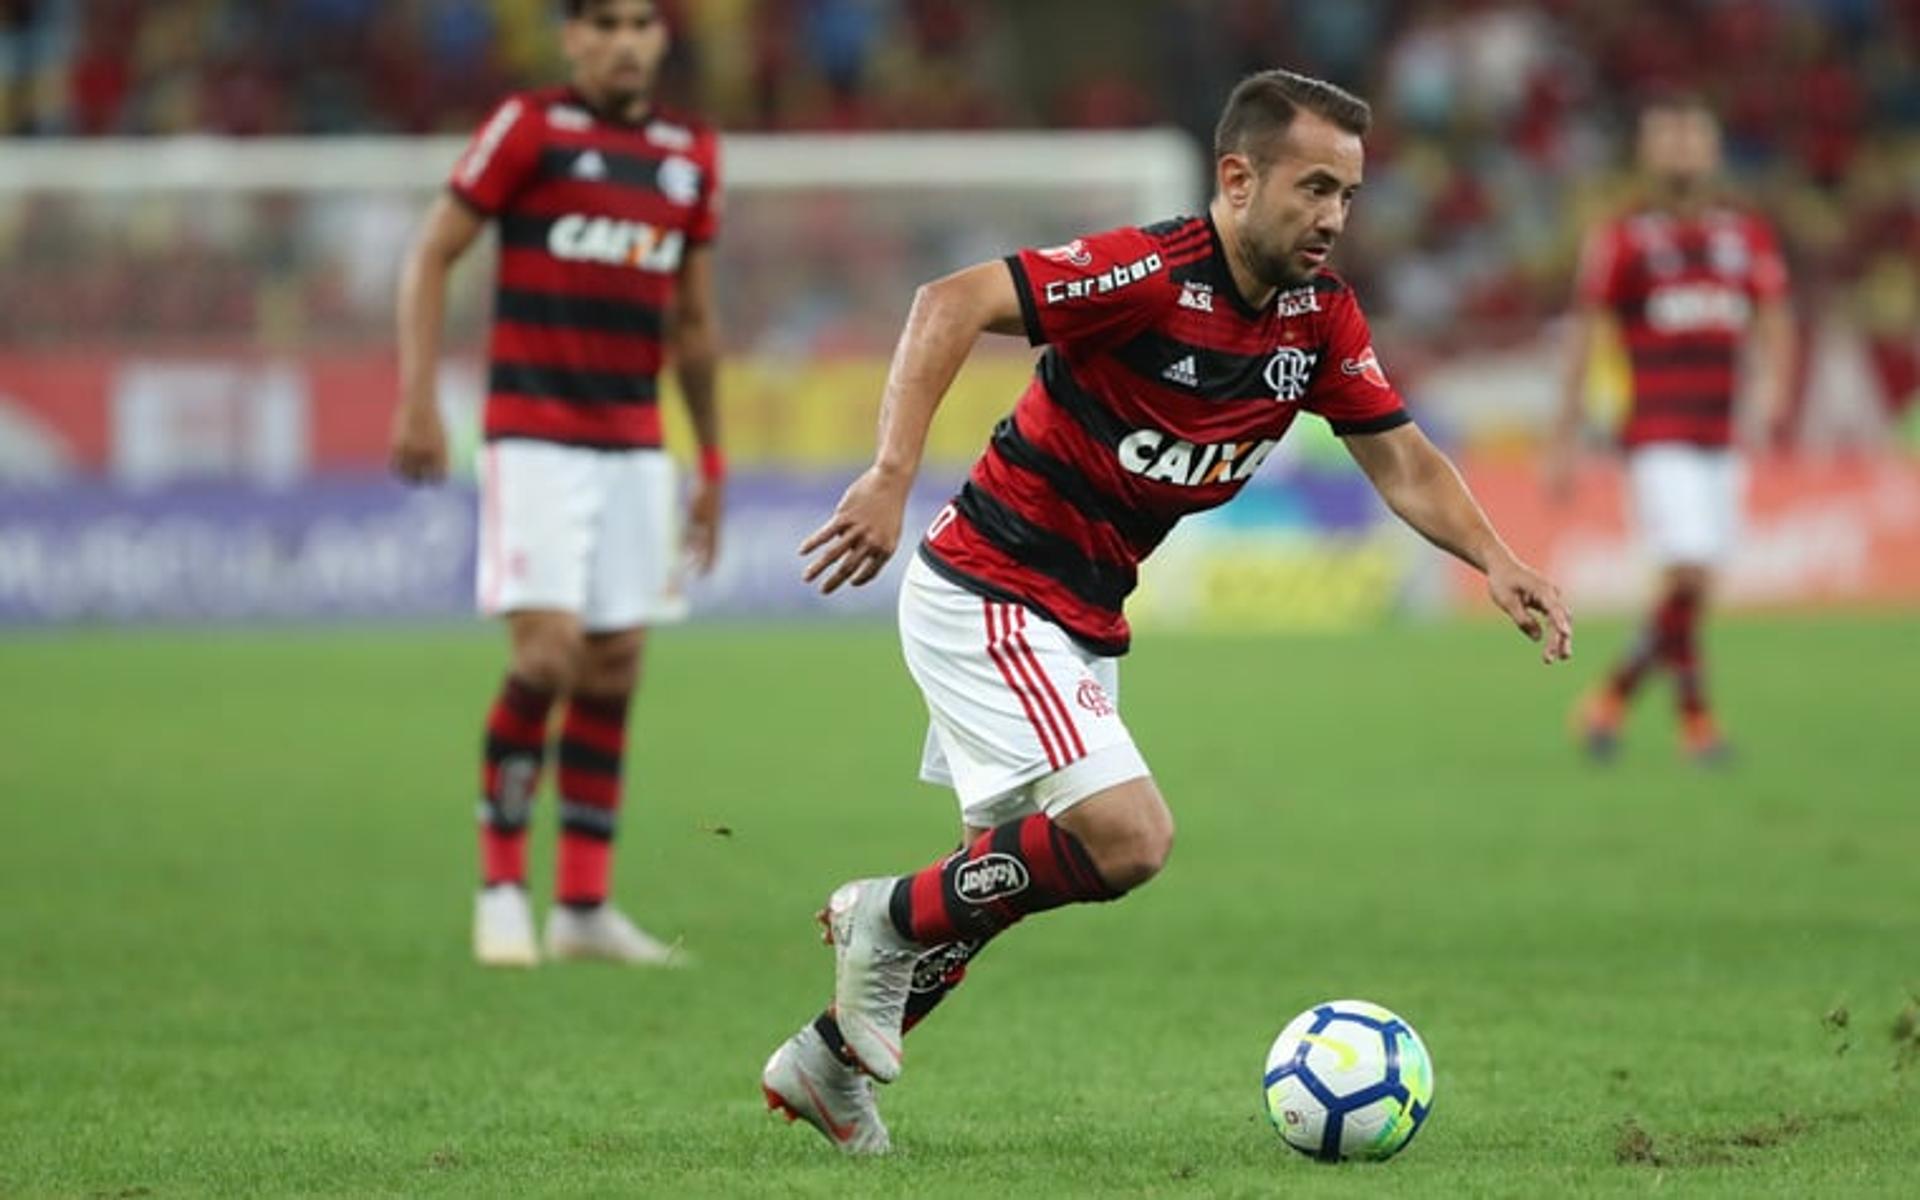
990, 877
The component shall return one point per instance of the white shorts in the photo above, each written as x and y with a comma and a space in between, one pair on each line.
1022, 718
592, 532
1687, 501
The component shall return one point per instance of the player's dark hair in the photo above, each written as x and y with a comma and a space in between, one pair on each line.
574, 10
1263, 106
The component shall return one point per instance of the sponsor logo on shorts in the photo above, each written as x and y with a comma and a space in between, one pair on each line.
1093, 698
990, 877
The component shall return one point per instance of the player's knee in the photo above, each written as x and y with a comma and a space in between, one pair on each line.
1131, 856
610, 666
547, 659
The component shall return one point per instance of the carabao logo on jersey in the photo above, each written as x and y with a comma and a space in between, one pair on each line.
1289, 372
990, 877
1159, 456
1367, 367
1110, 280
616, 243
1073, 254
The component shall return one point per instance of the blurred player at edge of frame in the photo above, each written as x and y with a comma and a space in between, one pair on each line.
607, 208
1682, 279
1176, 357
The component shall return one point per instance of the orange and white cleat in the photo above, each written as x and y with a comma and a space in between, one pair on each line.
807, 1081
1703, 742
1597, 721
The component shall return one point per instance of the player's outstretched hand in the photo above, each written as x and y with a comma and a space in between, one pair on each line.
703, 525
1526, 596
418, 451
860, 537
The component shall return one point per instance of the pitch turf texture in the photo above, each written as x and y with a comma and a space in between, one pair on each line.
237, 874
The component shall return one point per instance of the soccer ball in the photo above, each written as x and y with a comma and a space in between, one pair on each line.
1348, 1079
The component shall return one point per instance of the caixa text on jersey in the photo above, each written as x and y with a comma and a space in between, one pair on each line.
617, 243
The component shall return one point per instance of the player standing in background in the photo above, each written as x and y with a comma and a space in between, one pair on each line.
1682, 280
607, 209
1177, 356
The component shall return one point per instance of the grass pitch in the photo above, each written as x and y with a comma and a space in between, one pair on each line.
237, 873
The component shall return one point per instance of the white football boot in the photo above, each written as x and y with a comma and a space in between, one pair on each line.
873, 971
503, 927
605, 934
807, 1081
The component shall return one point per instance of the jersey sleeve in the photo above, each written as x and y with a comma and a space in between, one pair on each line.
1603, 268
1351, 389
1769, 265
501, 160
705, 224
1093, 290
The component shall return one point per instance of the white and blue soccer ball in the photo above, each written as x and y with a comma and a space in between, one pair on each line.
1348, 1080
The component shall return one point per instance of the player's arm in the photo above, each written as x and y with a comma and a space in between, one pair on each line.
694, 334
1422, 487
947, 317
1587, 329
419, 443
1773, 337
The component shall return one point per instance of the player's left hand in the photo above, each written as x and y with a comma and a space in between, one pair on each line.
1526, 596
703, 524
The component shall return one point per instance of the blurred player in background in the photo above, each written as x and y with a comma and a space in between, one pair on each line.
1177, 356
607, 209
1681, 280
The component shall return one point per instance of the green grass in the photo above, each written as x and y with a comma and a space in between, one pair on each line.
237, 874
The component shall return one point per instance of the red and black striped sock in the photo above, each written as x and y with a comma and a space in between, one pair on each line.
593, 739
1013, 870
515, 747
1680, 651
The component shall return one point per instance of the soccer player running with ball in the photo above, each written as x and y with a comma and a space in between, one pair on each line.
1177, 355
607, 209
1681, 281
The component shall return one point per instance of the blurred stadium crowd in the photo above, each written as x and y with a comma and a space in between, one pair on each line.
1503, 126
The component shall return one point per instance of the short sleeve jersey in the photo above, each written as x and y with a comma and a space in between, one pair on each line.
595, 217
1684, 291
1159, 394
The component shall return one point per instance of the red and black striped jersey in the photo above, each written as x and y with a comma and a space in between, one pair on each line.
1160, 393
595, 216
1684, 290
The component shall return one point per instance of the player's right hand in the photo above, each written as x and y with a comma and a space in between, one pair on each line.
418, 452
860, 537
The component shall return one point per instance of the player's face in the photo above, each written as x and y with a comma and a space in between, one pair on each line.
1295, 210
616, 47
1679, 146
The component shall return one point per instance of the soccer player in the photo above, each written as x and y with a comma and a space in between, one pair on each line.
1682, 281
1177, 355
607, 209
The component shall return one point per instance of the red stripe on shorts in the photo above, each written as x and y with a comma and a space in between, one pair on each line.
1006, 662
1059, 708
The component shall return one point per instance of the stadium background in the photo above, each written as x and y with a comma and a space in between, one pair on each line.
242, 685
196, 376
